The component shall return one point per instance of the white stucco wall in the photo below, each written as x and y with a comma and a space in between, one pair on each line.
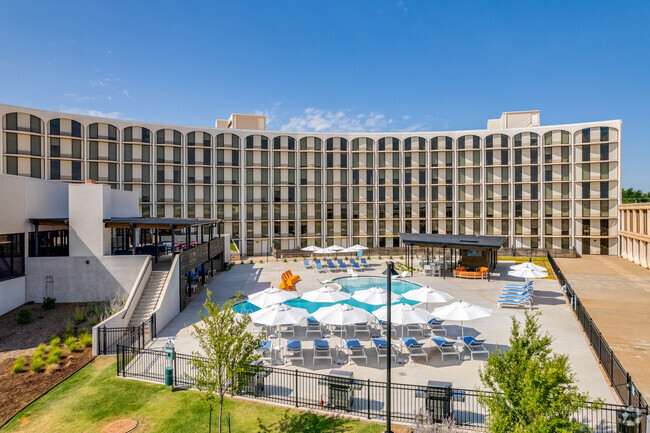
124, 203
88, 206
169, 304
76, 281
12, 294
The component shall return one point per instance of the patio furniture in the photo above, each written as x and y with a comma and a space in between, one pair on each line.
517, 301
330, 265
270, 296
435, 326
319, 267
381, 346
285, 329
341, 264
362, 328
307, 264
446, 347
404, 274
352, 273
462, 272
414, 327
322, 351
313, 326
294, 351
414, 348
355, 265
356, 350
475, 346
364, 262
384, 327
265, 351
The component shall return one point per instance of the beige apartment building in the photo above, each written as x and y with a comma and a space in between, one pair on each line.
635, 233
541, 186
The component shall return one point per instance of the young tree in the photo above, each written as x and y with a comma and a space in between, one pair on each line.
229, 350
532, 389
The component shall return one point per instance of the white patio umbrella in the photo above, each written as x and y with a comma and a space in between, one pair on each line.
328, 250
278, 315
359, 247
527, 273
461, 311
375, 296
528, 265
428, 295
325, 294
270, 296
311, 248
404, 314
348, 250
341, 315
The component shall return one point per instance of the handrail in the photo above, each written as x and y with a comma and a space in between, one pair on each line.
136, 285
169, 274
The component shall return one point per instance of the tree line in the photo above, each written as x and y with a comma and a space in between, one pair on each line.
631, 195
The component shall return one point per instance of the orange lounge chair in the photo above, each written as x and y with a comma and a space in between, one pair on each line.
286, 284
292, 279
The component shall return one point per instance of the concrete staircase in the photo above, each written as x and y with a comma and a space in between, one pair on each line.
149, 298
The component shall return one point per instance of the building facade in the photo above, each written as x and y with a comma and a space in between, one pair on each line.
540, 186
635, 233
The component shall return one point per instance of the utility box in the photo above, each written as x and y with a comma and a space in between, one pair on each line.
170, 352
628, 420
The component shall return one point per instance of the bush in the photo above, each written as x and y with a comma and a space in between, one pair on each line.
68, 328
78, 315
86, 340
49, 303
82, 331
71, 344
250, 263
285, 260
295, 260
55, 341
92, 319
390, 257
368, 258
36, 363
19, 365
40, 350
54, 356
401, 257
379, 257
346, 258
261, 261
24, 316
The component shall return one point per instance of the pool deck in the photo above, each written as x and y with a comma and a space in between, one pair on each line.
556, 318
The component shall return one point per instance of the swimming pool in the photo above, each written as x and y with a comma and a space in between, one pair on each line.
350, 285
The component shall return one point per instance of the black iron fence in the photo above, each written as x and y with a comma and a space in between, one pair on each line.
132, 336
363, 398
618, 377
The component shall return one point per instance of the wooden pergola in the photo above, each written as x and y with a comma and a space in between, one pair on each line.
461, 243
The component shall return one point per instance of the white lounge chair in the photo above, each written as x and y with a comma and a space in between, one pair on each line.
381, 346
362, 328
446, 347
414, 348
352, 273
322, 351
265, 350
475, 346
356, 350
314, 327
294, 351
404, 274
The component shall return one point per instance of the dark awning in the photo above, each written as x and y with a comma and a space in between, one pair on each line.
454, 241
157, 223
49, 221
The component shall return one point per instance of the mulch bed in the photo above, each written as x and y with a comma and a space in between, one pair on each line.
18, 391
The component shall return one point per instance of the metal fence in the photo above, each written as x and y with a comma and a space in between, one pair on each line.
363, 398
110, 338
618, 377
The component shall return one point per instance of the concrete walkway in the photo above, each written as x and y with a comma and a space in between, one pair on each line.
557, 319
616, 292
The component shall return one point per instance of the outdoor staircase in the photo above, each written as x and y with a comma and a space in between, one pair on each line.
149, 298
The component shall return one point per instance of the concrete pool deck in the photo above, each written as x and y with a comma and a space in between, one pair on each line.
556, 318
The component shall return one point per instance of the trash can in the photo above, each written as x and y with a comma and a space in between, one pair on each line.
628, 420
438, 400
169, 376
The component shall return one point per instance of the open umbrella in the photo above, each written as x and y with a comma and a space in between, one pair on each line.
528, 265
341, 315
461, 311
278, 315
404, 314
527, 273
328, 250
271, 296
311, 248
325, 294
375, 296
336, 248
359, 247
427, 295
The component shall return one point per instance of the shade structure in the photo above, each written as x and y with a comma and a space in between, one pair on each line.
271, 296
359, 247
404, 314
326, 294
528, 265
327, 250
279, 314
527, 273
348, 250
336, 248
461, 311
375, 296
428, 295
311, 248
341, 314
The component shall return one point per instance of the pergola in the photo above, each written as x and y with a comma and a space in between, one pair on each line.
464, 243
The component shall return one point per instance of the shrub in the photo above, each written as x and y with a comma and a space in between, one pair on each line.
390, 257
401, 257
368, 258
250, 263
261, 261
82, 331
24, 316
92, 319
49, 303
40, 350
54, 356
86, 340
19, 365
346, 258
295, 260
36, 363
78, 315
71, 344
55, 341
68, 328
285, 260
379, 257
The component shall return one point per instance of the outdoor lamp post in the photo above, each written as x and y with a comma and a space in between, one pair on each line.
390, 271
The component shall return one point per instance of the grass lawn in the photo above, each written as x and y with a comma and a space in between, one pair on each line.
94, 397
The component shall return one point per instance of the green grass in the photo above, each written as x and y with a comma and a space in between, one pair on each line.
94, 397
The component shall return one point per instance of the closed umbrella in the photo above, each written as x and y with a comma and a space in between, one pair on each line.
428, 295
375, 296
461, 311
325, 294
278, 315
341, 315
528, 265
271, 296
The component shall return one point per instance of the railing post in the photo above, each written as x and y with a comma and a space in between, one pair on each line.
103, 342
117, 351
629, 389
296, 387
368, 398
123, 362
174, 371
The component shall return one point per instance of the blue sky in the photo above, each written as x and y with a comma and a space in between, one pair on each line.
337, 65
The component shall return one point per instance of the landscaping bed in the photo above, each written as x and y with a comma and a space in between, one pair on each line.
18, 390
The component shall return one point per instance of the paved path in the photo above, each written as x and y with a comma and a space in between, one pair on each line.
616, 292
557, 319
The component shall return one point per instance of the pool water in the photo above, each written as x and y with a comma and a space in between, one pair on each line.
350, 285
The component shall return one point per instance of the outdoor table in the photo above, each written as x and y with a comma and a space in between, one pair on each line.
340, 360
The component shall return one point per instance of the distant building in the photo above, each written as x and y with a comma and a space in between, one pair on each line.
540, 186
635, 233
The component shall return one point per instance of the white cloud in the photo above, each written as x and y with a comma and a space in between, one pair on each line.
79, 98
91, 112
320, 120
270, 114
126, 93
406, 117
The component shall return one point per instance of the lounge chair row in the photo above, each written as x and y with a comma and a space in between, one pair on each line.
354, 350
517, 295
339, 266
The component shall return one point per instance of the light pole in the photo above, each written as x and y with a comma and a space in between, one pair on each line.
390, 271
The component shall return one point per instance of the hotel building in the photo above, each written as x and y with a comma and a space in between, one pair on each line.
540, 186
635, 233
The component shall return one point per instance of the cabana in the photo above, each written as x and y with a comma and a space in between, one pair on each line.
474, 251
